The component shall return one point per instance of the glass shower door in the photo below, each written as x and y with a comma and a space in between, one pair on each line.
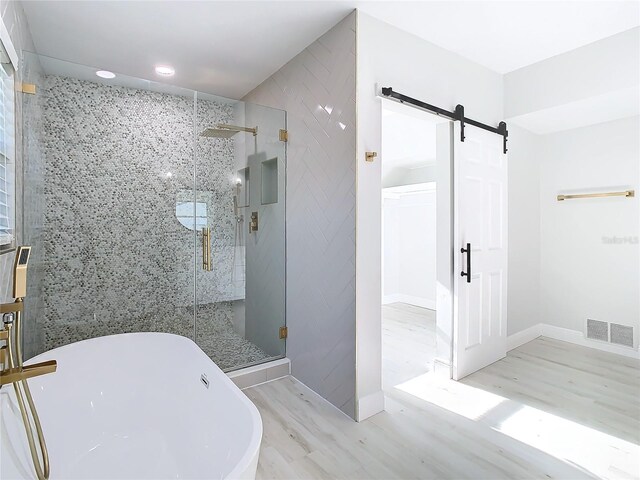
239, 208
139, 197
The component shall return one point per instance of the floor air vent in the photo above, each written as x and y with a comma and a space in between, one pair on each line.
598, 330
610, 332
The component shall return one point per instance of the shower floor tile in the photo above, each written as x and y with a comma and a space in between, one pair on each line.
218, 339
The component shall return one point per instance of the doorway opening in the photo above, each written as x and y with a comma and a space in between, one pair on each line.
416, 163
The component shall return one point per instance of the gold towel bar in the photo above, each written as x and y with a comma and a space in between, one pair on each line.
626, 193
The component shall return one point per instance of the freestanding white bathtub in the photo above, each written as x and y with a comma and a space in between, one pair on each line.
134, 406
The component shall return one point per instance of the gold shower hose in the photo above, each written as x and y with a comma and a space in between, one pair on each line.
42, 468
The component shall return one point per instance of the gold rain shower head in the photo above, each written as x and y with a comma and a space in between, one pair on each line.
227, 131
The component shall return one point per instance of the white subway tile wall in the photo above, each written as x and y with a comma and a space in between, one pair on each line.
318, 90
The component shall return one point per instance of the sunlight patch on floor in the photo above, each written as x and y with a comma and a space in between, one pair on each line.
447, 394
597, 452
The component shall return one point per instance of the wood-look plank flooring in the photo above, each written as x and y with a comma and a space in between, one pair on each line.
408, 342
548, 410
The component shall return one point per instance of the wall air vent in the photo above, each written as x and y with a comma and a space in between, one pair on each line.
610, 332
622, 335
598, 330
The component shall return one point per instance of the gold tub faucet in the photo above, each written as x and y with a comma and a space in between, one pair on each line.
11, 352
14, 372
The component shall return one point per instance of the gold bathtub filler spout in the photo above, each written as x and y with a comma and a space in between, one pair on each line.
14, 372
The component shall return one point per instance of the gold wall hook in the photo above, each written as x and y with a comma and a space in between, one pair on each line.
369, 156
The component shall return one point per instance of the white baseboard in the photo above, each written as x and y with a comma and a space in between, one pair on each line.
566, 335
410, 299
387, 299
524, 336
370, 405
442, 369
576, 337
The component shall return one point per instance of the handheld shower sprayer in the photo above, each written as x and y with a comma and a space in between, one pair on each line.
236, 201
14, 372
20, 272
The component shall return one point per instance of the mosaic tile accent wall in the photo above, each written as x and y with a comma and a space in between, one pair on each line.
117, 258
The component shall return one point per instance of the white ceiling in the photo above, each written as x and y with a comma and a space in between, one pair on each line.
510, 34
229, 48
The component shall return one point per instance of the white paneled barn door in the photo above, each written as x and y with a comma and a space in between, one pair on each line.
480, 250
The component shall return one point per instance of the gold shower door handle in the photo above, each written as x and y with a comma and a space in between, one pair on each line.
206, 249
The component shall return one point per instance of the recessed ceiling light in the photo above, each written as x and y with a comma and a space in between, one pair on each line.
105, 74
165, 70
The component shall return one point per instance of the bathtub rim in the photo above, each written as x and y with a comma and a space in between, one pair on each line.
248, 461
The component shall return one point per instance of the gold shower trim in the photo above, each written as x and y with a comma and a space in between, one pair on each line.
235, 128
206, 249
29, 88
283, 332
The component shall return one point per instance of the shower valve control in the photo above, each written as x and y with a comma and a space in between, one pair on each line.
253, 224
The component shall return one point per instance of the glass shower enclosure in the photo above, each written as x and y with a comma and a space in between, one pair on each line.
152, 208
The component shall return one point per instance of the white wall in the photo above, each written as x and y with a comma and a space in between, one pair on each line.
582, 276
388, 56
523, 296
409, 248
583, 105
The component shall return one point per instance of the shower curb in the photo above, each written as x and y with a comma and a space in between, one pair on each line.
257, 374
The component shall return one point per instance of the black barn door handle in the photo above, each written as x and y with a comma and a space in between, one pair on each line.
468, 272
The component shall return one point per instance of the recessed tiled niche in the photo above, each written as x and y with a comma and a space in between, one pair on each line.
242, 185
269, 181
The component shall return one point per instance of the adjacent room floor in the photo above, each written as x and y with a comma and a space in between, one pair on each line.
408, 342
548, 410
